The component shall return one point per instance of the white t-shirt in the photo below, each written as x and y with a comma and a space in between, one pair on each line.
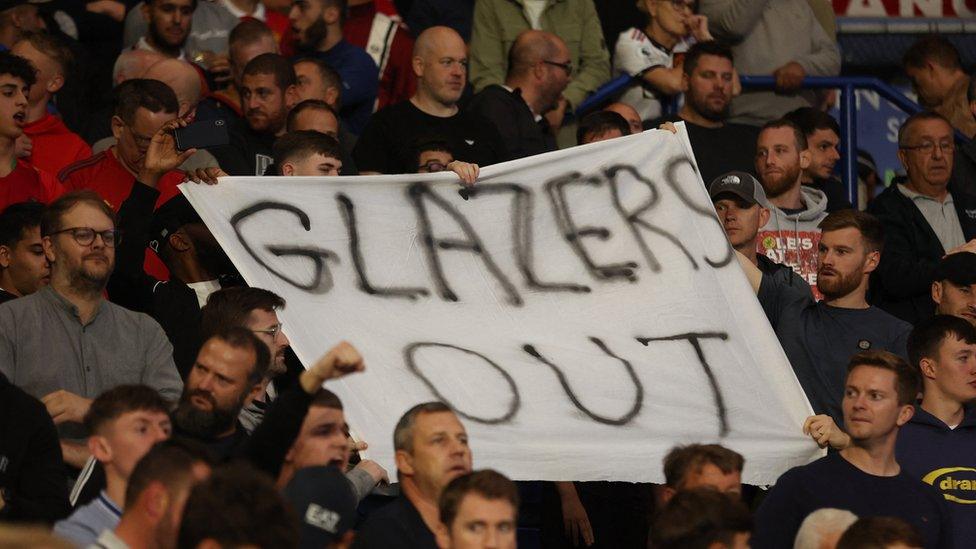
204, 289
533, 11
634, 53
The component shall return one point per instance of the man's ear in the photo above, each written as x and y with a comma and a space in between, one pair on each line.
805, 159
291, 96
684, 82
871, 262
936, 289
5, 253
764, 215
287, 169
332, 97
100, 448
903, 158
905, 414
178, 241
155, 501
117, 126
55, 83
927, 367
48, 245
418, 66
404, 463
331, 15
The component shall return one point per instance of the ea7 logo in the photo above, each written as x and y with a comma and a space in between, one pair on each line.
970, 213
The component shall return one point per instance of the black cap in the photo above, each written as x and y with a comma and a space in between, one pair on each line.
958, 268
168, 218
325, 504
741, 184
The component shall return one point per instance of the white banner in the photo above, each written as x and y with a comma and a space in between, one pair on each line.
581, 310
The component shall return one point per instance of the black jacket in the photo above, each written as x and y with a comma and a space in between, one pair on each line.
512, 117
33, 481
964, 169
902, 283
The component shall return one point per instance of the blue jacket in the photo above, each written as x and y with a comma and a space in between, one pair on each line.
929, 450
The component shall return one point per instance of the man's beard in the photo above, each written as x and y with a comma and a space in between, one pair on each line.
314, 35
777, 187
839, 286
159, 41
702, 108
86, 280
203, 424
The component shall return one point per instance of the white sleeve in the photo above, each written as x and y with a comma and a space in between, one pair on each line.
634, 53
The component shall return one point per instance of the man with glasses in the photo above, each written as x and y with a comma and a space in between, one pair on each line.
65, 344
923, 221
539, 72
387, 145
142, 107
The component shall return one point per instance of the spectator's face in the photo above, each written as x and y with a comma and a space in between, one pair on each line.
310, 22
49, 79
932, 167
480, 523
13, 106
672, 15
263, 102
317, 119
263, 322
169, 21
131, 141
952, 370
710, 476
83, 266
125, 440
740, 220
314, 165
321, 440
433, 161
216, 389
556, 77
242, 54
951, 299
778, 161
824, 153
443, 72
26, 266
630, 115
926, 84
311, 85
710, 87
871, 409
843, 262
440, 452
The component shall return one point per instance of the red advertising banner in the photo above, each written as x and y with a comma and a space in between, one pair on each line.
905, 8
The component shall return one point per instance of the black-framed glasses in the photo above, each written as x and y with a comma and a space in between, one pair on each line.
567, 66
84, 236
928, 147
272, 331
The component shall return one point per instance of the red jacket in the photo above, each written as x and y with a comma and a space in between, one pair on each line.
54, 145
393, 52
104, 174
24, 184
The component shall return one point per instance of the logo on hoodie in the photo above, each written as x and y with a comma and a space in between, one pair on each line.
957, 484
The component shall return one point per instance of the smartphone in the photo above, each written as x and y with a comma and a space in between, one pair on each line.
202, 134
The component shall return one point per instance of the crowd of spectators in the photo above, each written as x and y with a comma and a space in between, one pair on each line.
148, 398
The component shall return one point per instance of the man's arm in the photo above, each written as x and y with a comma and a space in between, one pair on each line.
488, 57
778, 517
129, 285
824, 59
732, 20
159, 370
594, 59
41, 493
362, 81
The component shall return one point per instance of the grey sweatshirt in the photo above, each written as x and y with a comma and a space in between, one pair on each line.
792, 238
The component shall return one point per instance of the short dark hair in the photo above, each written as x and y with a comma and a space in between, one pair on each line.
248, 31
303, 144
907, 383
709, 47
18, 67
599, 123
17, 220
403, 432
237, 506
242, 338
52, 46
801, 138
169, 462
932, 48
810, 120
120, 400
232, 307
272, 63
879, 533
921, 116
329, 75
325, 398
151, 95
487, 483
308, 104
51, 217
928, 335
695, 519
426, 145
871, 229
683, 460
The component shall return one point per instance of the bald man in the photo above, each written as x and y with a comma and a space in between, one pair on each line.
629, 113
389, 141
536, 78
133, 63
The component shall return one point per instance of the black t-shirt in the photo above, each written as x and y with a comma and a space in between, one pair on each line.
835, 191
395, 526
249, 153
719, 150
833, 482
388, 144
